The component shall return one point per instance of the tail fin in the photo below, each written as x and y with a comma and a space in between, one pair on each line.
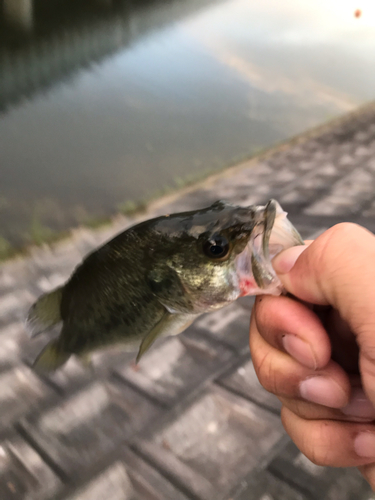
51, 358
45, 312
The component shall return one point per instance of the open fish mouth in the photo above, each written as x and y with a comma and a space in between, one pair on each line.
273, 232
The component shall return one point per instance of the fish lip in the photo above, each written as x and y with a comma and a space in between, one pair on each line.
280, 236
254, 268
267, 240
270, 211
263, 271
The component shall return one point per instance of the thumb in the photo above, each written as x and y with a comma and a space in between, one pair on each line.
338, 269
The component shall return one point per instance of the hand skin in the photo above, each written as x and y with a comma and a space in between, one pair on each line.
316, 350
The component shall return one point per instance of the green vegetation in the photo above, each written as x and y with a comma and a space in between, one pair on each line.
188, 180
38, 233
6, 249
132, 207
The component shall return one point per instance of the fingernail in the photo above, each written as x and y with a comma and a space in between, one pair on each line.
359, 405
284, 262
364, 445
299, 350
323, 391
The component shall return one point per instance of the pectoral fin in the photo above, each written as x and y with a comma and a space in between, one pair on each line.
170, 324
147, 342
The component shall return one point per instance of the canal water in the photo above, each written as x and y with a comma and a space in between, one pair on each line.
104, 103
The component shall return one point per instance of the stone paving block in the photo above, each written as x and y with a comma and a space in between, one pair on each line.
264, 486
367, 222
284, 175
48, 283
229, 325
243, 381
334, 205
350, 485
88, 425
362, 151
370, 164
214, 443
8, 279
370, 210
294, 197
148, 483
55, 259
114, 484
23, 473
246, 196
347, 195
75, 373
321, 176
306, 164
72, 376
176, 367
21, 392
15, 305
318, 482
346, 159
11, 338
128, 478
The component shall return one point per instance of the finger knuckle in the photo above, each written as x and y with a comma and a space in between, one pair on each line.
338, 237
345, 233
317, 445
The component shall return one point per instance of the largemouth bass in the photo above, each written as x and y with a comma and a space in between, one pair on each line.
158, 276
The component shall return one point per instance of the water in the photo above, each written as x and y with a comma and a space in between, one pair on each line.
103, 103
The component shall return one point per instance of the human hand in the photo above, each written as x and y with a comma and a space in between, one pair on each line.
317, 353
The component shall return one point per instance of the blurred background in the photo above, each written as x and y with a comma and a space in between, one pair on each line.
105, 104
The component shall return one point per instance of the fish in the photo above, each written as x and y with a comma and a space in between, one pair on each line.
155, 278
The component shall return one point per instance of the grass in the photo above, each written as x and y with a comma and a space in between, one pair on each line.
132, 207
38, 233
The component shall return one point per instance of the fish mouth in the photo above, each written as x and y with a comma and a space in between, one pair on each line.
272, 233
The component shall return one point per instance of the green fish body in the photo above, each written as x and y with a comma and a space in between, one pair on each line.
158, 276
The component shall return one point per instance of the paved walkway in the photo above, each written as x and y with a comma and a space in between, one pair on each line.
192, 423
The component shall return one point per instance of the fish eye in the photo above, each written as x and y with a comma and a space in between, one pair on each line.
216, 247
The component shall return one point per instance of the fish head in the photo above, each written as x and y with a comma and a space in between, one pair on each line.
213, 256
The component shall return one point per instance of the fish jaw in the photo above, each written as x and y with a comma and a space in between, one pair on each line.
283, 234
272, 234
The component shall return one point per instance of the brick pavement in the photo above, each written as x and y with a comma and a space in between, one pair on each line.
193, 422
